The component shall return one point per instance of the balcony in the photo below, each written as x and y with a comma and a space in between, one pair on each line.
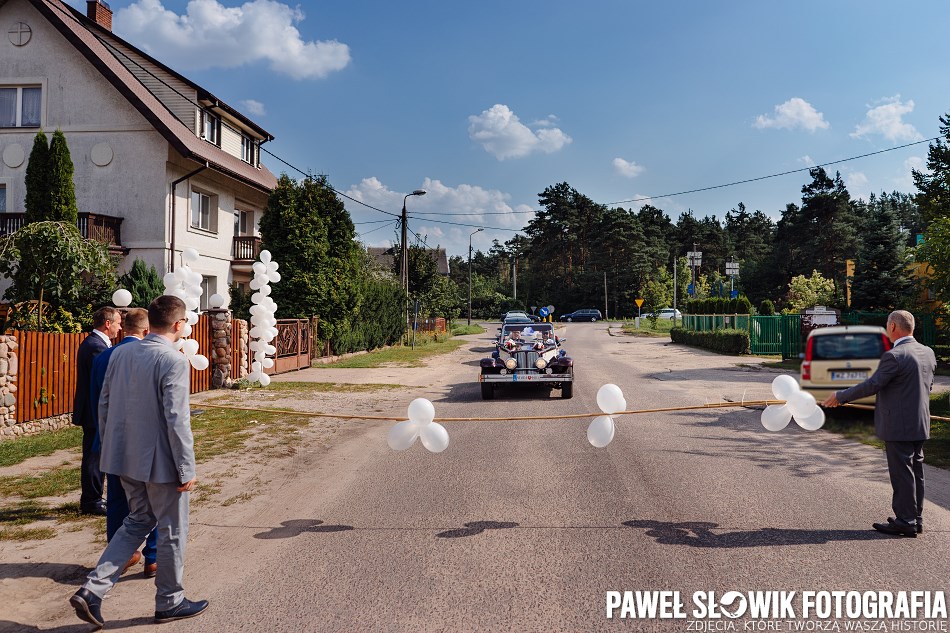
245, 250
92, 226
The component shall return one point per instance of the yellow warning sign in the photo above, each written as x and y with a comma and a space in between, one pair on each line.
639, 303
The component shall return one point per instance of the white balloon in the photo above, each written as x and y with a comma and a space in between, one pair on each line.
257, 309
190, 347
402, 435
179, 344
254, 285
181, 274
264, 380
195, 279
421, 411
192, 290
601, 431
257, 319
272, 266
191, 317
254, 376
191, 303
267, 363
812, 422
186, 331
189, 255
255, 367
259, 268
273, 277
610, 399
776, 417
169, 279
784, 386
256, 346
434, 437
199, 362
265, 256
265, 291
171, 291
261, 279
257, 297
121, 298
270, 349
256, 332
802, 404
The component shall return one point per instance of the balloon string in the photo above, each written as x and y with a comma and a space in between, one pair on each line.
713, 405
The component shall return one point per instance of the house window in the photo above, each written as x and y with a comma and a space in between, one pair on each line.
203, 211
20, 106
210, 128
209, 286
242, 220
247, 150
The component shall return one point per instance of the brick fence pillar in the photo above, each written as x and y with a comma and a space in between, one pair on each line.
220, 321
8, 375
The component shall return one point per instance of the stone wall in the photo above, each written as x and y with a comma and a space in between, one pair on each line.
220, 348
8, 373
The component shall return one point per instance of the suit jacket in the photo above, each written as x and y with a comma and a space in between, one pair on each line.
902, 382
144, 415
98, 376
92, 346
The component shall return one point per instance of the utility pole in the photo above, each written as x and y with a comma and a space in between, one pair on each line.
605, 295
404, 250
515, 278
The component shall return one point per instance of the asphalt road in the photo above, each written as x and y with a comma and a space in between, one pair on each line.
523, 526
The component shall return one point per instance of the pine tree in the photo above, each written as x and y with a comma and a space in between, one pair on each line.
37, 201
934, 196
143, 282
881, 279
62, 190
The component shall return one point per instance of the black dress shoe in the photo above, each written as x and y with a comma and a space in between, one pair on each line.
920, 524
897, 529
87, 606
98, 509
185, 609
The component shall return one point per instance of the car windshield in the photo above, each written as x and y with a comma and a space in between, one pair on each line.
527, 333
847, 346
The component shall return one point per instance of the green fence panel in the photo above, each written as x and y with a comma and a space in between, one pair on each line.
765, 334
792, 344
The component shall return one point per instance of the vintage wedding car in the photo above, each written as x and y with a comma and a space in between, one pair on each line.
527, 354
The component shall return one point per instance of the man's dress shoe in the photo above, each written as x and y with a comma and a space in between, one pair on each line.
87, 606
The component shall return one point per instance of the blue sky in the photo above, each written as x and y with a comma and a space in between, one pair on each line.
487, 104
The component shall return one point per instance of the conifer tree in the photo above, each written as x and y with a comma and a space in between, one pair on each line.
62, 191
37, 201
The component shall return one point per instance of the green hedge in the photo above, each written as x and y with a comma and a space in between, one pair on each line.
725, 341
719, 305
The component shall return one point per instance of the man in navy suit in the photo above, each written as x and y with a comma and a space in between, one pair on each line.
903, 382
134, 329
106, 325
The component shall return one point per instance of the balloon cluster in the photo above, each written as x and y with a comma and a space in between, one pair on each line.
610, 400
419, 425
263, 321
798, 403
186, 285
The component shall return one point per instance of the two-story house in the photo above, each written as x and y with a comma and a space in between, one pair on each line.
161, 164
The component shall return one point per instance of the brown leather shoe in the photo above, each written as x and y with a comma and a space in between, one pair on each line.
136, 557
151, 569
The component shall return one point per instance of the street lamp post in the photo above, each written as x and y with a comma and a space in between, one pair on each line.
470, 274
404, 251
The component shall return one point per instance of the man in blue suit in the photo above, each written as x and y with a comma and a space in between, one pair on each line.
134, 328
903, 382
105, 324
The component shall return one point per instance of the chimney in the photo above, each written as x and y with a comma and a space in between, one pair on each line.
99, 12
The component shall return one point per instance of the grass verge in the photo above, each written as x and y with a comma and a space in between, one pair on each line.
786, 365
859, 426
55, 482
400, 356
460, 329
326, 387
662, 327
17, 450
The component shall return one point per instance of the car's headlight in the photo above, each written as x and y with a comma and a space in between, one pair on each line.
511, 363
540, 363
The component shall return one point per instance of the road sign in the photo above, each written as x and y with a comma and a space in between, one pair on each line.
690, 290
733, 294
695, 258
543, 312
639, 302
732, 268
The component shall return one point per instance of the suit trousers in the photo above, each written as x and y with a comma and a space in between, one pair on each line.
905, 463
90, 477
117, 508
151, 506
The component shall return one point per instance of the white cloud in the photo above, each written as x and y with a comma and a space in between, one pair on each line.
211, 35
627, 168
905, 181
887, 120
794, 113
464, 204
503, 135
253, 107
807, 161
858, 185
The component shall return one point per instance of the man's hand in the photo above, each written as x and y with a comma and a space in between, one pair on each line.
187, 486
831, 401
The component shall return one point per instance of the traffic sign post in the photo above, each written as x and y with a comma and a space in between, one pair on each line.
639, 303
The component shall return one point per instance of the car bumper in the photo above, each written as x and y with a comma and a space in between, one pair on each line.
823, 391
526, 378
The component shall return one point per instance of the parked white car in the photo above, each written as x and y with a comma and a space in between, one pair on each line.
665, 313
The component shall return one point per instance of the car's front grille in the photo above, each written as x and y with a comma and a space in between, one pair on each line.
526, 360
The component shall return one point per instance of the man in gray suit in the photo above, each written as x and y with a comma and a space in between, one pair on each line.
145, 426
902, 382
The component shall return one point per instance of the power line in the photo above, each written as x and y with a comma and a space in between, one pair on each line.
482, 226
388, 224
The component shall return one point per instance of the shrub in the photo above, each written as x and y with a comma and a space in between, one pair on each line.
728, 341
767, 308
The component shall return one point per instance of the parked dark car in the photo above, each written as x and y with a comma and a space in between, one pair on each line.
527, 354
587, 314
516, 313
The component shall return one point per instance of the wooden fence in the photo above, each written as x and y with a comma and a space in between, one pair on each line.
46, 373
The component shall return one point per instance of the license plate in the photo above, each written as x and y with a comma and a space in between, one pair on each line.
514, 378
849, 375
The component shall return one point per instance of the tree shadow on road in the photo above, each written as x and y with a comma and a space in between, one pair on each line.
296, 527
63, 573
8, 625
700, 534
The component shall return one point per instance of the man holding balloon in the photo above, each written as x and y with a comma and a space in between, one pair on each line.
903, 382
